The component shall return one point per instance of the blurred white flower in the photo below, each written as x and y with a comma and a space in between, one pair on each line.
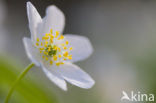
55, 53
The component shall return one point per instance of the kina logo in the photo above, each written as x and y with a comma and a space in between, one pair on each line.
137, 96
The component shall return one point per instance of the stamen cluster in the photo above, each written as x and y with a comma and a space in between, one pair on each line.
52, 50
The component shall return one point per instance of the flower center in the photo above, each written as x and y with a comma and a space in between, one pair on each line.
54, 48
50, 50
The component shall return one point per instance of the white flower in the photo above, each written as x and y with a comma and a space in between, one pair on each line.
55, 53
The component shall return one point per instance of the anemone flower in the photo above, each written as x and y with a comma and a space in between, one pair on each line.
55, 53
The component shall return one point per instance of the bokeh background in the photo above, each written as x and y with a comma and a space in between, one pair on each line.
122, 32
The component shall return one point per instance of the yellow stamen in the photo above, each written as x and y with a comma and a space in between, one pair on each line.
46, 53
51, 31
51, 40
70, 57
64, 48
51, 36
43, 56
46, 58
67, 42
45, 38
37, 44
63, 44
70, 48
61, 37
65, 54
59, 49
41, 48
55, 47
55, 58
57, 64
47, 34
37, 39
46, 43
60, 56
49, 49
52, 52
51, 62
64, 59
61, 63
41, 44
57, 34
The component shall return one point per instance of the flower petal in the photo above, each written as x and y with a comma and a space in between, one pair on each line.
75, 75
81, 45
34, 19
54, 20
31, 51
55, 77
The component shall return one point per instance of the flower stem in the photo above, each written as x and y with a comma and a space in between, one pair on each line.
17, 80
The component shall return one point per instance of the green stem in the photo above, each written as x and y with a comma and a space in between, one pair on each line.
17, 80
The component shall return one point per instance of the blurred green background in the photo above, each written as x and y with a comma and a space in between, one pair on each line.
122, 32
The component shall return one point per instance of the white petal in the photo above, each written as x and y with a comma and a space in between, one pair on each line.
75, 75
31, 51
34, 19
55, 77
54, 20
82, 47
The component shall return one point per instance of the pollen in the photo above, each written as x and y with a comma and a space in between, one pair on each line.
46, 58
51, 31
62, 44
46, 34
41, 48
46, 43
53, 49
59, 55
41, 44
45, 53
64, 48
57, 34
59, 63
51, 36
43, 56
49, 49
67, 42
70, 48
55, 58
37, 44
70, 57
65, 54
59, 49
51, 62
45, 38
51, 40
64, 59
37, 39
61, 37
